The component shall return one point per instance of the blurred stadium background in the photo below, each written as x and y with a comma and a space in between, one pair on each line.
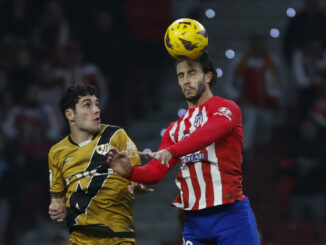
117, 45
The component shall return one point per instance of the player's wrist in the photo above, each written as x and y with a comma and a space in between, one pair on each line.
172, 151
129, 175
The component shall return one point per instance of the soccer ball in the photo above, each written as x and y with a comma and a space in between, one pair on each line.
185, 39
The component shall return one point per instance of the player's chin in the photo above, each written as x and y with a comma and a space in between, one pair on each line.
95, 129
191, 98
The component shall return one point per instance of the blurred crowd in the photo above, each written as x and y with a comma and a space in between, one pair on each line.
46, 46
283, 101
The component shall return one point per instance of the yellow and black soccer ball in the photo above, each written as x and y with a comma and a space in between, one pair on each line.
186, 39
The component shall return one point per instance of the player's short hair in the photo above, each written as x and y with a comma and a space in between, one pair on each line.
207, 65
71, 96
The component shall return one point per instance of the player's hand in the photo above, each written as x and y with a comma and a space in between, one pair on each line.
163, 155
119, 162
138, 188
57, 210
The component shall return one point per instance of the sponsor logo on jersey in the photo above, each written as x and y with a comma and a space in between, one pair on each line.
223, 111
103, 149
195, 157
198, 120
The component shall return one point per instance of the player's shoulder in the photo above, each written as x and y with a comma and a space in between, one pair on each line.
105, 128
223, 102
62, 143
112, 132
224, 107
60, 146
108, 130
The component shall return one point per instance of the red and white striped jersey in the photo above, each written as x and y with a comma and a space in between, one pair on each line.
207, 141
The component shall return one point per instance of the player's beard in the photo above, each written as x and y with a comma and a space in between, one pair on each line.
199, 91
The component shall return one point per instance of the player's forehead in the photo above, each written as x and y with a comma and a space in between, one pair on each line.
187, 65
87, 98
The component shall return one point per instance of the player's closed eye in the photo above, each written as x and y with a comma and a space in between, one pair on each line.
192, 72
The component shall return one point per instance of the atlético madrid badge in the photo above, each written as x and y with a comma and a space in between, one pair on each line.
103, 149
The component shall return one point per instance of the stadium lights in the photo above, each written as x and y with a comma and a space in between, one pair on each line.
230, 53
210, 13
274, 32
147, 150
219, 72
181, 112
163, 131
290, 12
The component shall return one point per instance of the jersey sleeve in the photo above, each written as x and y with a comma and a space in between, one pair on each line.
221, 122
123, 143
154, 171
57, 183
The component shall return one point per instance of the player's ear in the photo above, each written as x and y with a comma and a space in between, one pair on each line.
208, 77
69, 113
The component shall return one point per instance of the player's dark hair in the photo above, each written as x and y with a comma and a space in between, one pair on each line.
207, 65
71, 96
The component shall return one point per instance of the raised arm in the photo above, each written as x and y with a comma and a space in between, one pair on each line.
221, 123
150, 173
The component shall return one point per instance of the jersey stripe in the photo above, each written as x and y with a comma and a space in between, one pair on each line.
202, 185
193, 196
205, 118
182, 126
206, 167
189, 197
215, 173
172, 132
179, 202
192, 127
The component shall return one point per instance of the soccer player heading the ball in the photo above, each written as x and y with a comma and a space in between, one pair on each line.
207, 141
83, 189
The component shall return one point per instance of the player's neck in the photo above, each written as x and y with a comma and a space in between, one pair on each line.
79, 136
202, 99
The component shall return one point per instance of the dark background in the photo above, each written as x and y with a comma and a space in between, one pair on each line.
270, 57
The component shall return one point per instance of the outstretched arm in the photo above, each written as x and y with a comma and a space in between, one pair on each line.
150, 173
221, 123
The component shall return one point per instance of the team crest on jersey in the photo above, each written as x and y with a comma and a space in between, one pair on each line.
103, 149
223, 111
131, 149
198, 119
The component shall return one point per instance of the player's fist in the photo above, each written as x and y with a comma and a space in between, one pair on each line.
57, 210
